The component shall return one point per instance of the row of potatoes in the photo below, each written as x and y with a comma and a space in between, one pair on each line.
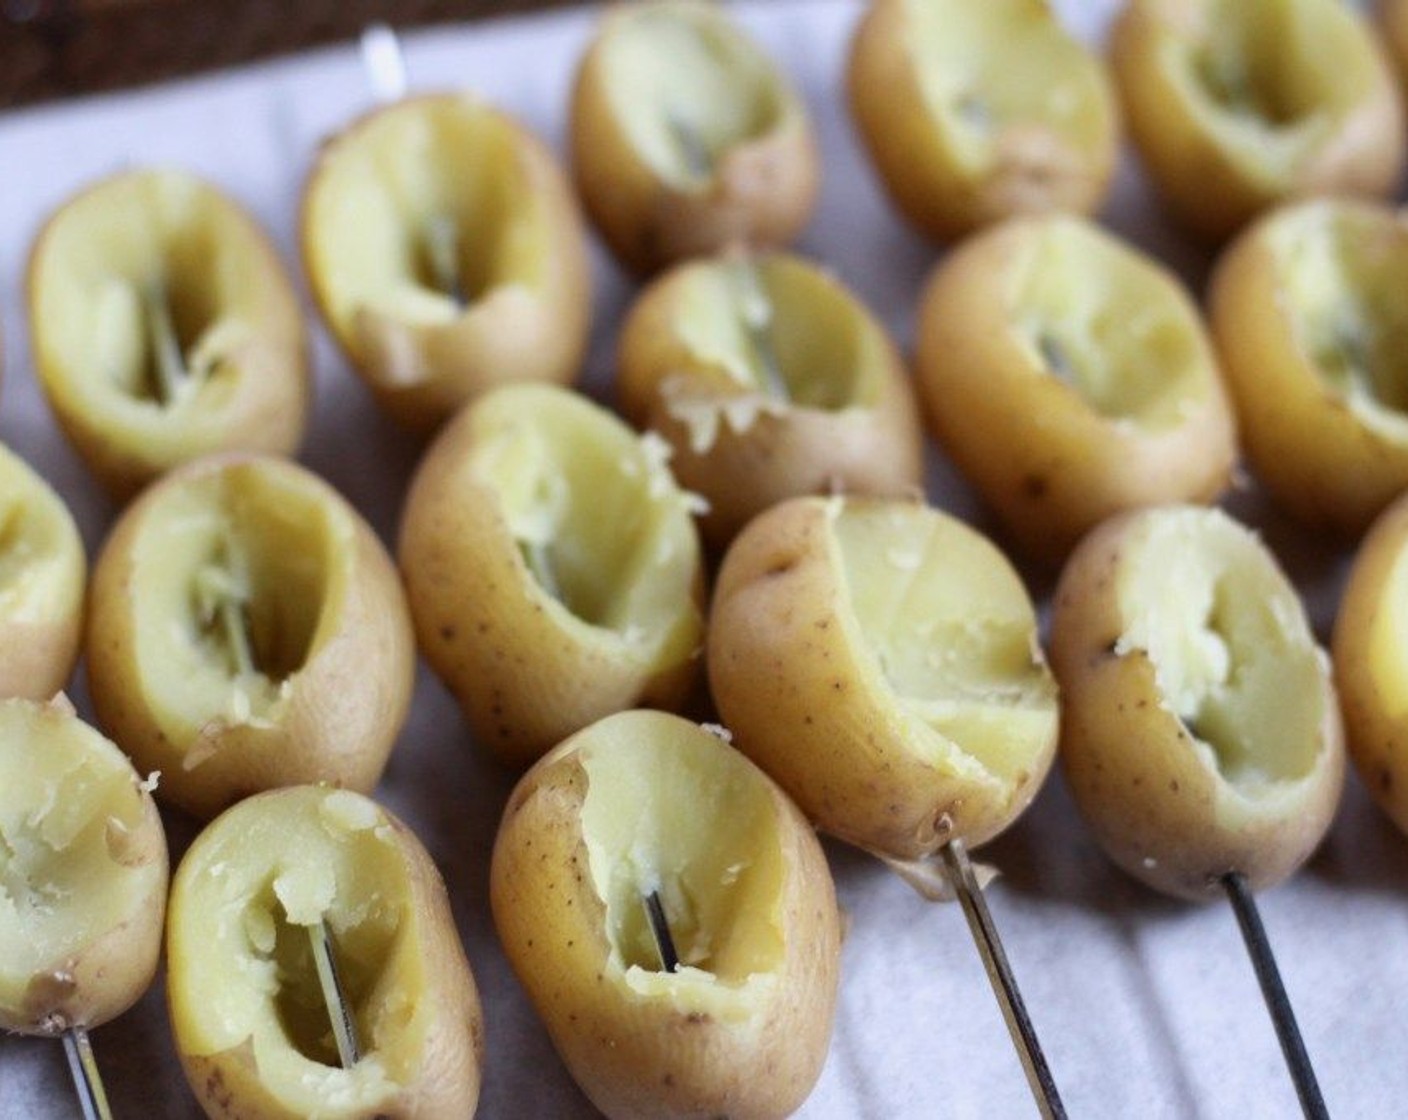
878, 659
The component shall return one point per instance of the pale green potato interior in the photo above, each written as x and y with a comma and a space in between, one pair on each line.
670, 808
1095, 315
952, 632
1231, 649
70, 812
1344, 271
248, 893
599, 520
429, 178
122, 256
688, 87
249, 556
41, 556
984, 68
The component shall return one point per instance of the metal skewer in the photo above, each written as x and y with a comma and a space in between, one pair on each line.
1312, 1103
1004, 984
344, 1027
91, 1096
664, 943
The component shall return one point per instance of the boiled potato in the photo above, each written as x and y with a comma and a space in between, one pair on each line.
251, 1023
1069, 377
552, 567
1308, 314
42, 574
1393, 18
447, 255
1199, 730
83, 871
1236, 105
975, 112
164, 327
879, 659
686, 137
768, 379
646, 804
247, 630
1370, 667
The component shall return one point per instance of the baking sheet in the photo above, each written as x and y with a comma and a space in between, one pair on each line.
1145, 1006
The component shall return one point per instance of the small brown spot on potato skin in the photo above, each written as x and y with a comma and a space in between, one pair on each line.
1173, 785
1035, 486
447, 633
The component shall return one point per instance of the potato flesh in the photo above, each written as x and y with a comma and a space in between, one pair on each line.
1231, 651
687, 88
1097, 317
653, 820
985, 67
953, 633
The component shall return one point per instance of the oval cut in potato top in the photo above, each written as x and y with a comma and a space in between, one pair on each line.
687, 137
447, 255
83, 872
1069, 377
42, 575
769, 380
1236, 105
164, 327
1309, 315
1200, 733
880, 660
642, 804
247, 630
974, 112
247, 1008
553, 570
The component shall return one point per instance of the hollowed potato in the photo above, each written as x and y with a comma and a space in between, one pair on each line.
164, 328
553, 569
1308, 315
447, 255
769, 380
686, 136
1069, 377
247, 631
1200, 733
880, 661
975, 112
83, 872
1236, 105
42, 576
642, 803
252, 1027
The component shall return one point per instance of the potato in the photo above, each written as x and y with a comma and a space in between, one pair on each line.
975, 112
1307, 311
247, 630
447, 255
1069, 377
164, 327
769, 380
642, 804
1199, 728
1370, 670
879, 659
1393, 22
686, 137
251, 1025
42, 574
1236, 105
83, 873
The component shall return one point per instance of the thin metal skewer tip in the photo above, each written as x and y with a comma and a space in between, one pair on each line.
664, 943
86, 1079
1004, 984
1283, 1017
344, 1029
384, 62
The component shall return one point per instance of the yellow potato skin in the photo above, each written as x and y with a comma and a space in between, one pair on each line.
875, 449
761, 193
348, 702
1203, 182
1036, 170
645, 1058
1318, 460
1129, 762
